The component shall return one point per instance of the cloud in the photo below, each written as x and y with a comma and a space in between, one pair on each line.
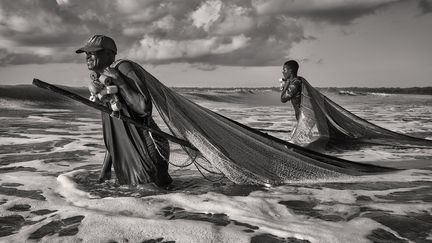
206, 14
236, 20
335, 11
425, 6
205, 33
7, 57
220, 33
157, 50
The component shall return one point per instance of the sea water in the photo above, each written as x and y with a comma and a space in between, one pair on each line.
51, 154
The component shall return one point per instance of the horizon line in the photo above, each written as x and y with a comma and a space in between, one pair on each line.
245, 87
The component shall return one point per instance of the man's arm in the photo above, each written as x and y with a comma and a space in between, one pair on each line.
290, 90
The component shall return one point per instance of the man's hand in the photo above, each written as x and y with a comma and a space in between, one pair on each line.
112, 89
113, 75
95, 87
282, 83
111, 78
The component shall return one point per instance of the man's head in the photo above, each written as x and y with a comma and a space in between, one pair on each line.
290, 68
100, 52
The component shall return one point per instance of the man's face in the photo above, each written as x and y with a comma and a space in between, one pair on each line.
286, 71
97, 61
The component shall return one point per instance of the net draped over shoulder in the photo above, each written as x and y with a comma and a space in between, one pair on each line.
338, 126
244, 155
137, 156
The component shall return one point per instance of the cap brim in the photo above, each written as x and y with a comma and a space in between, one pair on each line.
88, 49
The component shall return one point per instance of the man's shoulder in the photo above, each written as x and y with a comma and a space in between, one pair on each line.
297, 80
121, 62
123, 65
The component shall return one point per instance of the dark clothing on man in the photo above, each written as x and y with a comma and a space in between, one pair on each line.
137, 155
292, 91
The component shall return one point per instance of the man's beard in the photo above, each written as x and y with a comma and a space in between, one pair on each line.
98, 61
92, 63
95, 64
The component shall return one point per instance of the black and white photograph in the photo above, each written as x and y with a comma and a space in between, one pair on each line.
210, 121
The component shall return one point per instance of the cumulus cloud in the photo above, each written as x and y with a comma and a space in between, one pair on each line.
425, 6
331, 11
236, 20
160, 51
204, 33
206, 14
7, 57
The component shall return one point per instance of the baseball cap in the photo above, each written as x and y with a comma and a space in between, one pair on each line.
97, 43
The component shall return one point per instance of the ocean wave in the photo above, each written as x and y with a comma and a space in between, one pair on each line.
29, 93
379, 94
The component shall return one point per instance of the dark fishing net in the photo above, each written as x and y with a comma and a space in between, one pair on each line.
244, 155
338, 126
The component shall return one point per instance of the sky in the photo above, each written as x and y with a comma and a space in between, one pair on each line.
230, 43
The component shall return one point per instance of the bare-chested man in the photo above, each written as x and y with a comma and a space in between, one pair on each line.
291, 85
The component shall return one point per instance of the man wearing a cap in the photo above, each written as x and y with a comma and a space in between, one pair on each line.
291, 86
137, 156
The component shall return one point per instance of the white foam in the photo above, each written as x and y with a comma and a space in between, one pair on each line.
32, 138
68, 188
14, 104
40, 118
267, 213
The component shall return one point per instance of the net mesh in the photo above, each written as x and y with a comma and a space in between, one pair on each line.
338, 126
242, 154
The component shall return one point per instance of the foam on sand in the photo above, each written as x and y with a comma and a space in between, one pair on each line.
258, 210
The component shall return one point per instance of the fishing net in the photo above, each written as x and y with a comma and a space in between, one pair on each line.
242, 154
337, 126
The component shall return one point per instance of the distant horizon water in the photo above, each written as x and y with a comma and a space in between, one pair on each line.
76, 74
239, 87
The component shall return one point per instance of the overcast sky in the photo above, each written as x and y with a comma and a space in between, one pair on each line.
214, 43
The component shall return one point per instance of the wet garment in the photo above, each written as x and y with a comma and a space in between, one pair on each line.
338, 127
292, 91
137, 155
